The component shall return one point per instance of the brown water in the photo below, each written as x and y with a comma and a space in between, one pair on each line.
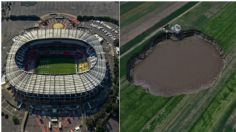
177, 67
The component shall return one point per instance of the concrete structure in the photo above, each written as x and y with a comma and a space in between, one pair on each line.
32, 89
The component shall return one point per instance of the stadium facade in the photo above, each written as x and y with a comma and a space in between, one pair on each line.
48, 94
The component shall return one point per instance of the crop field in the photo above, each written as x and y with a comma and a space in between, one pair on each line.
138, 38
127, 6
132, 11
216, 112
56, 65
218, 21
209, 110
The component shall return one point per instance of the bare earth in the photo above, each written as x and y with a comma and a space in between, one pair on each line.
131, 31
178, 67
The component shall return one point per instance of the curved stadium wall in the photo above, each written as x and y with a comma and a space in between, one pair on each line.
34, 88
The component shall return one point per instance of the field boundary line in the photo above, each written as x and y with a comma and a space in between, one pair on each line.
159, 29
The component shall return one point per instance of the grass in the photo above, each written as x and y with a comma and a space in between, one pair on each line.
166, 110
216, 20
124, 8
124, 60
140, 37
133, 11
219, 106
56, 65
215, 26
137, 107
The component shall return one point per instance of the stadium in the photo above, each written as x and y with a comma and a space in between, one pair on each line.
57, 71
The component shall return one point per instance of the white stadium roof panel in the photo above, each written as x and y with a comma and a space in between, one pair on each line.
55, 84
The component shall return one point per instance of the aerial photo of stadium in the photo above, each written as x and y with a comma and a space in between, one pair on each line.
178, 67
59, 66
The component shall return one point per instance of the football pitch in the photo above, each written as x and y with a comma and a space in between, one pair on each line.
56, 65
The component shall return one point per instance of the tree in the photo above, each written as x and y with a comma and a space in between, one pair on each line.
6, 116
116, 42
16, 120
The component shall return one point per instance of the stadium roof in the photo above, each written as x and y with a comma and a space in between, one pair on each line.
55, 84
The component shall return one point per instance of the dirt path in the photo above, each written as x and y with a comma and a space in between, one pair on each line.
142, 24
156, 31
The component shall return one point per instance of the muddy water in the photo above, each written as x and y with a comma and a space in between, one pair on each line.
177, 67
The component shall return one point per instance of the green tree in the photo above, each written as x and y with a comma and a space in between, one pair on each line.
16, 120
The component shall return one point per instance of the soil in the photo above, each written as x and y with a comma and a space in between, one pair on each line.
142, 24
179, 67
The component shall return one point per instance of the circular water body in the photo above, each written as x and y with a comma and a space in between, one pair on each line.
179, 67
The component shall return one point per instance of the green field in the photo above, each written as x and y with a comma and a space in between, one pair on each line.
208, 110
217, 21
127, 6
162, 22
132, 11
56, 65
139, 107
124, 48
216, 113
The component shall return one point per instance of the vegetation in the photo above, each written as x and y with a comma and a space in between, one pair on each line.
207, 110
217, 20
24, 18
110, 108
217, 110
127, 6
138, 11
101, 18
116, 42
56, 65
140, 37
138, 107
6, 116
15, 120
124, 60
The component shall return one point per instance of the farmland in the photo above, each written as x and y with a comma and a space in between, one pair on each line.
160, 23
140, 37
217, 21
131, 12
209, 110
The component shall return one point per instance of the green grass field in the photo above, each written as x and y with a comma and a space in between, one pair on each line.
216, 113
127, 6
124, 48
217, 21
56, 65
162, 22
207, 110
132, 11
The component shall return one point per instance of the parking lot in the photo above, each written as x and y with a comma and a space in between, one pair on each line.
110, 9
